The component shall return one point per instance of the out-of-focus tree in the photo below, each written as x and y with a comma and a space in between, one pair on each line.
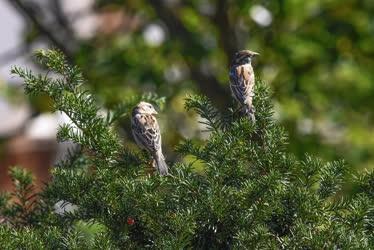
317, 55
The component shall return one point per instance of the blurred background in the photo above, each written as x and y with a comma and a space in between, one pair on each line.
317, 56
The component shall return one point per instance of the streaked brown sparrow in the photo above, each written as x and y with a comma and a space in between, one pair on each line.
242, 81
147, 134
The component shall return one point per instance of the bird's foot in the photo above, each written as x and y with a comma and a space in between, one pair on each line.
151, 168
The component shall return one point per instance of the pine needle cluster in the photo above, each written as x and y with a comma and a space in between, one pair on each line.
243, 190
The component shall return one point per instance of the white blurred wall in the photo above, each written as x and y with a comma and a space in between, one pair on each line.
11, 27
15, 116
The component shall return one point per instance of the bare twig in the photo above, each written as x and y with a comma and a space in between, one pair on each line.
29, 12
61, 17
227, 35
208, 84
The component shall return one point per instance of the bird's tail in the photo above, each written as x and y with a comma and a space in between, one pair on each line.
161, 165
250, 112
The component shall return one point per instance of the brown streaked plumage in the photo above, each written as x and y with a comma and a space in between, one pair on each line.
242, 81
146, 132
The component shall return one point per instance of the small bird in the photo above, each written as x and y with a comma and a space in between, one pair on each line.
242, 81
147, 134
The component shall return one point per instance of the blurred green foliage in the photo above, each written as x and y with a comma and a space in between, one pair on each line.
317, 56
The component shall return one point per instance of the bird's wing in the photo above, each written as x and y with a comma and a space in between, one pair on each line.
246, 77
147, 132
242, 82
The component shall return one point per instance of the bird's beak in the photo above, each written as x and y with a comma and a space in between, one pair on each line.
155, 113
255, 53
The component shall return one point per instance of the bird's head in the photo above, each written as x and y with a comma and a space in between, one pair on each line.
244, 57
145, 108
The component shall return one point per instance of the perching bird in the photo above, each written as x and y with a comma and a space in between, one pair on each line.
147, 133
242, 81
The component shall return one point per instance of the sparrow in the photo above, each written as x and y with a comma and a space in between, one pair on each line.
242, 81
147, 134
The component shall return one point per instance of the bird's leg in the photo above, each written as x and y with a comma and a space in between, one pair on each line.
149, 162
151, 167
250, 110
